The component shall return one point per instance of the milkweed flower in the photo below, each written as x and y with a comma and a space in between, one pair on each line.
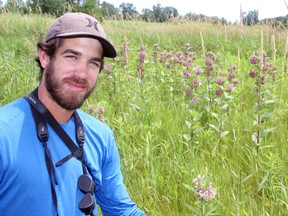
167, 55
198, 72
253, 73
91, 108
220, 81
253, 59
229, 88
265, 67
203, 189
231, 76
195, 83
235, 81
101, 110
195, 100
232, 68
191, 55
187, 63
263, 80
188, 92
211, 56
141, 56
186, 74
176, 59
218, 92
209, 62
140, 68
155, 52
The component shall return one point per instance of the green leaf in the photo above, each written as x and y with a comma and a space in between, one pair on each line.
210, 210
138, 108
225, 106
269, 101
261, 185
196, 211
267, 130
187, 137
188, 123
197, 130
215, 115
223, 134
198, 117
189, 187
215, 128
254, 138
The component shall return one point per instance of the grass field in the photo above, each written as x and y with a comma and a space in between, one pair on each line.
184, 99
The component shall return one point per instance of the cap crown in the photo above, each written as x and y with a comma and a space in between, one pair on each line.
80, 24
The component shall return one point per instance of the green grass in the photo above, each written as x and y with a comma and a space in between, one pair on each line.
164, 140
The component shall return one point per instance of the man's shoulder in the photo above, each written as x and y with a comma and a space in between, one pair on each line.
14, 105
12, 112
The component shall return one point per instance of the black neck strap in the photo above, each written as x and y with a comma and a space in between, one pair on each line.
42, 115
42, 132
76, 151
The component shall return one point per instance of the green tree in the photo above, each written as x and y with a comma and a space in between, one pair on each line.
54, 7
170, 12
75, 5
251, 18
159, 13
109, 10
148, 15
128, 10
91, 7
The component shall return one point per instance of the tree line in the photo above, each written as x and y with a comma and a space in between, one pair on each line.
126, 11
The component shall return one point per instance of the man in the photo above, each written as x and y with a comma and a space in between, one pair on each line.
37, 178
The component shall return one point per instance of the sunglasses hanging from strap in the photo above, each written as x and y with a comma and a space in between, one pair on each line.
42, 114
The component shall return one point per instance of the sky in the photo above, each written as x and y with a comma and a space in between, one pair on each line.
228, 9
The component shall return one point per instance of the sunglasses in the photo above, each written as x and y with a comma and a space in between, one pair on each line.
87, 203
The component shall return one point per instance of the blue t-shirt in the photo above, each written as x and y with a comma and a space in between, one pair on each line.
24, 180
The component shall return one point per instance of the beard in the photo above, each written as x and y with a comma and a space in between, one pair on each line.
68, 100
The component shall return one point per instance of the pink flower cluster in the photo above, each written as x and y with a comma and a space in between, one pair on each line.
210, 60
92, 109
232, 81
264, 68
202, 189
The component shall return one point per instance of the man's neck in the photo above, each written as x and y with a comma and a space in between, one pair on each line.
59, 113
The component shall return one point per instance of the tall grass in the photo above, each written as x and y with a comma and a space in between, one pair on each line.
165, 138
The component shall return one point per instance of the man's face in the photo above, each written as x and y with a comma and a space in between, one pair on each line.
70, 76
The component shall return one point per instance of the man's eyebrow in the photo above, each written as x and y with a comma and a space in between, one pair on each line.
98, 59
71, 52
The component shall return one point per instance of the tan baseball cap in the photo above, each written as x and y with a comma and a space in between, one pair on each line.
80, 24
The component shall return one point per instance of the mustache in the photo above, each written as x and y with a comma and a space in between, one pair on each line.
77, 80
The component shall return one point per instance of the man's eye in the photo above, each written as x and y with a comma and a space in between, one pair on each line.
71, 57
96, 63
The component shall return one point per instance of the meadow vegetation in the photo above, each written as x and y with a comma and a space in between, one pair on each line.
199, 111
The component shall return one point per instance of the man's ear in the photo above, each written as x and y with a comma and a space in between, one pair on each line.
43, 58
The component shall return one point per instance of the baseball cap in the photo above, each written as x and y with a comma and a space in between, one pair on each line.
80, 24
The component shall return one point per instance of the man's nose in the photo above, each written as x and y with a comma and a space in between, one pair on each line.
82, 69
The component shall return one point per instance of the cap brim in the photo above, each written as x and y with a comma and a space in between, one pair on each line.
109, 50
